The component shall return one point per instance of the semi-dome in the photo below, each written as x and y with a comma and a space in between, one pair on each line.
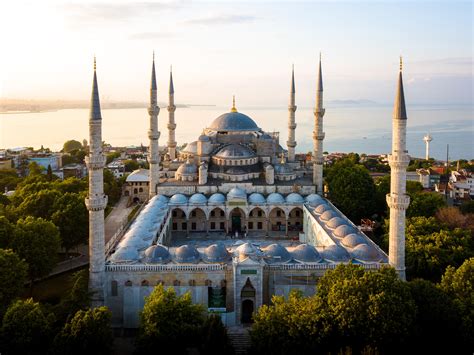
343, 230
187, 254
275, 198
323, 207
335, 253
237, 151
314, 199
237, 193
124, 254
216, 253
335, 222
294, 198
190, 148
187, 168
198, 199
216, 199
306, 253
178, 199
233, 121
283, 169
326, 216
275, 253
352, 240
157, 254
365, 252
256, 198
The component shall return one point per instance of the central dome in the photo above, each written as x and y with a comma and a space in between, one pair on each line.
233, 121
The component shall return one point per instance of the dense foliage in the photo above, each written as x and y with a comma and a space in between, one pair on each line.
13, 273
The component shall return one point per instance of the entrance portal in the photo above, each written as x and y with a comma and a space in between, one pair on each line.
247, 311
236, 216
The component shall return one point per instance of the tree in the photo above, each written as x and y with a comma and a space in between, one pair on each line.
8, 179
215, 340
467, 207
459, 286
112, 187
34, 169
6, 232
87, 332
37, 242
425, 204
352, 190
40, 204
168, 321
49, 173
454, 218
26, 329
71, 145
77, 299
131, 165
13, 273
112, 156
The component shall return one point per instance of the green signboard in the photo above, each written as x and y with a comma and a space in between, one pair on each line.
216, 297
248, 272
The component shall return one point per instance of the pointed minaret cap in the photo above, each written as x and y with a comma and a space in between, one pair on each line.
320, 75
95, 113
293, 79
233, 109
171, 81
153, 75
399, 110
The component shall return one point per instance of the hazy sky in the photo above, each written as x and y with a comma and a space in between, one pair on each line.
245, 48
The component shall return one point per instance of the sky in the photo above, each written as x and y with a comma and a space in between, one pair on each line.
246, 48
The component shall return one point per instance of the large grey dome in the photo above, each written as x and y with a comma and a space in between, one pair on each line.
157, 254
187, 168
234, 121
216, 253
283, 169
352, 240
234, 151
335, 253
306, 253
276, 254
187, 254
365, 252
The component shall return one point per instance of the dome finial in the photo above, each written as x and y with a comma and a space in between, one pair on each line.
401, 63
282, 158
95, 64
233, 109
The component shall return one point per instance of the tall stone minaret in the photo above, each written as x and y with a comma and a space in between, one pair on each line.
96, 200
291, 143
398, 200
318, 134
171, 123
154, 135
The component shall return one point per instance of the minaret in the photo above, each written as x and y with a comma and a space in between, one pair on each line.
154, 135
318, 134
171, 123
398, 200
96, 200
291, 143
427, 139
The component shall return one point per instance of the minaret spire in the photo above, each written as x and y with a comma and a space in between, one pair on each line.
171, 122
397, 199
291, 142
96, 201
318, 134
153, 134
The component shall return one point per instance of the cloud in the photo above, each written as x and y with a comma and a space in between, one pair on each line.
151, 35
221, 20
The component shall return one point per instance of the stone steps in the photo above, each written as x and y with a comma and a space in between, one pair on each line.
240, 339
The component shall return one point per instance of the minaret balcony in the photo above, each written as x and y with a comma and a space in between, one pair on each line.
292, 126
319, 111
292, 108
172, 144
96, 203
171, 126
319, 137
154, 135
95, 162
318, 160
171, 108
291, 144
398, 202
399, 161
153, 110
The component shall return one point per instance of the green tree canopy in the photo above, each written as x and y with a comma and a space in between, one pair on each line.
214, 338
13, 273
169, 322
26, 329
6, 232
131, 165
37, 241
87, 332
8, 179
425, 204
71, 145
39, 204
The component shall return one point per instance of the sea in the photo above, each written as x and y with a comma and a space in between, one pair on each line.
349, 127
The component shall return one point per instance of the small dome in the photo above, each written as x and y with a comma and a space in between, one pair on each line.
306, 253
352, 240
216, 199
365, 252
198, 199
283, 169
178, 199
187, 254
190, 148
323, 207
344, 230
335, 253
237, 193
314, 200
234, 121
235, 151
187, 169
256, 198
294, 198
216, 253
246, 249
335, 222
157, 254
327, 215
124, 254
275, 198
162, 198
275, 253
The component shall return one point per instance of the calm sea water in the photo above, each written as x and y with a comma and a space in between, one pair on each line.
362, 129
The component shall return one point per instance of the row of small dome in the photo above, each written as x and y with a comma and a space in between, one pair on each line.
274, 253
240, 194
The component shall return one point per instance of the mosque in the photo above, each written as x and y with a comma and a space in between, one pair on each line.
232, 218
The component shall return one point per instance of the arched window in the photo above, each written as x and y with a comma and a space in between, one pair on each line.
176, 283
140, 189
135, 191
114, 288
145, 283
128, 283
208, 283
192, 282
160, 282
223, 283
